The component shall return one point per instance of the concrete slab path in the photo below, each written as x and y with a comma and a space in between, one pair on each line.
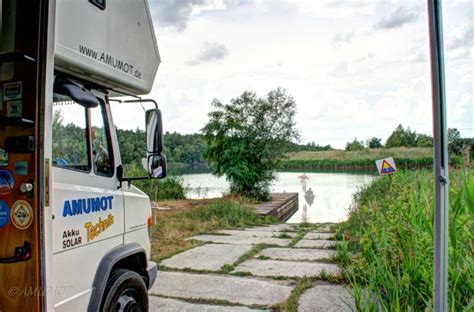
327, 298
277, 268
172, 305
210, 257
312, 243
276, 227
297, 254
242, 240
236, 290
316, 235
258, 233
270, 274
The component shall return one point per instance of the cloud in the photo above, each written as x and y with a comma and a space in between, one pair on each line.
398, 18
342, 38
174, 13
210, 52
418, 57
461, 37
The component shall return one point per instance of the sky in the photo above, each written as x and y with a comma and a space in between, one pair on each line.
356, 69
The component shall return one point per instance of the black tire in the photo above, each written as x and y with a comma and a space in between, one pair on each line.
125, 291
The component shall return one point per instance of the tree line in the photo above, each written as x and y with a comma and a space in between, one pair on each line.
183, 148
189, 148
401, 137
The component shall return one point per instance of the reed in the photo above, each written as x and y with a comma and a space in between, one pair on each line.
405, 158
390, 235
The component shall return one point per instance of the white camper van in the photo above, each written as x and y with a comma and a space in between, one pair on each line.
75, 232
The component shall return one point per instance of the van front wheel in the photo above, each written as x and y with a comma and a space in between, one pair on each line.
125, 292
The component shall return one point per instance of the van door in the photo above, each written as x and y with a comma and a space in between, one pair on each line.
87, 203
23, 29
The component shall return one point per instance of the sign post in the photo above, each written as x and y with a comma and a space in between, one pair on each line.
386, 166
440, 301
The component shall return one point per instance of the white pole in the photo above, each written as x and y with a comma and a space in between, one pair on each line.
440, 157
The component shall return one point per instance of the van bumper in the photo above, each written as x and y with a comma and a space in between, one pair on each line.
152, 270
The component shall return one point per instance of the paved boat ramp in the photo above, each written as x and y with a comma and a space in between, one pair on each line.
253, 269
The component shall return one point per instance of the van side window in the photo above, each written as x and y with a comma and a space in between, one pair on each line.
70, 137
101, 145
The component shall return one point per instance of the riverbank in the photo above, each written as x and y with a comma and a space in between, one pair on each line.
339, 160
363, 160
390, 234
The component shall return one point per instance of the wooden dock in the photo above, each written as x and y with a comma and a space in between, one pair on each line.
282, 206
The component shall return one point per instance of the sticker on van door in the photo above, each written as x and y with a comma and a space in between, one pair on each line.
87, 205
4, 213
94, 230
6, 182
3, 157
22, 214
71, 238
14, 108
12, 91
21, 168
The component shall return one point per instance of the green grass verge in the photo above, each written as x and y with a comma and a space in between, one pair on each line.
390, 233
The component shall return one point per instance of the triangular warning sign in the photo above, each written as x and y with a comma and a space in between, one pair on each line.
386, 168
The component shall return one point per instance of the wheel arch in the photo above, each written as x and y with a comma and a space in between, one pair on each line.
131, 256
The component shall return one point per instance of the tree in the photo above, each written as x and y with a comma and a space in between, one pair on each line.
453, 135
424, 140
247, 138
401, 137
355, 145
375, 143
455, 143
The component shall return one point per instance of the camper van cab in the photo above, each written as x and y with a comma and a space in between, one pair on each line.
75, 230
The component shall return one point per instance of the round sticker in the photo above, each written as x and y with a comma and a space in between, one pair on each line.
22, 214
4, 213
6, 182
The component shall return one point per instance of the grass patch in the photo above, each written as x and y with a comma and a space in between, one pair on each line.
213, 233
283, 236
243, 274
220, 302
302, 230
390, 233
173, 227
227, 268
252, 253
228, 214
291, 305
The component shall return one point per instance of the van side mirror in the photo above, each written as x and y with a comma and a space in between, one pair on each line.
154, 131
157, 166
156, 162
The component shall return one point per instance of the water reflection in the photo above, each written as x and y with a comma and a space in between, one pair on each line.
323, 197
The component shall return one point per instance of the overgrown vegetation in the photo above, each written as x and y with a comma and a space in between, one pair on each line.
359, 159
172, 228
390, 232
247, 138
168, 188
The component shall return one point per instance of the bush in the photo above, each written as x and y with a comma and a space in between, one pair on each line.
246, 140
168, 188
227, 213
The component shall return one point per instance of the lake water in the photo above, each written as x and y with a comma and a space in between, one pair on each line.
328, 195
